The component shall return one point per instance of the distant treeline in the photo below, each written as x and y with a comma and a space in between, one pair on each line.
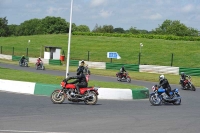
58, 25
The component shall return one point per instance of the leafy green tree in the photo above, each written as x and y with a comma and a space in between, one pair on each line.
175, 28
82, 28
13, 30
107, 29
118, 30
97, 29
56, 25
133, 30
31, 27
4, 31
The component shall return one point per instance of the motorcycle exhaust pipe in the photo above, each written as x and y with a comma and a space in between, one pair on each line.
176, 98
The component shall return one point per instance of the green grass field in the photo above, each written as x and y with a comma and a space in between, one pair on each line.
45, 78
154, 51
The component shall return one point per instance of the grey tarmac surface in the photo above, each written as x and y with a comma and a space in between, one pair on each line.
37, 114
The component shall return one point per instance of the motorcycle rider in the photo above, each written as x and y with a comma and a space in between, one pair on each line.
183, 78
163, 82
22, 59
122, 70
80, 79
38, 61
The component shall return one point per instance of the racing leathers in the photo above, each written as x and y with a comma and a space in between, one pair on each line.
80, 80
165, 85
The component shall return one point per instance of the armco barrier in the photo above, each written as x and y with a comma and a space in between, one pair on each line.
55, 62
17, 58
95, 65
159, 69
7, 57
117, 66
190, 71
74, 63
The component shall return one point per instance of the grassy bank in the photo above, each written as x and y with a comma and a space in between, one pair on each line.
154, 51
45, 78
173, 79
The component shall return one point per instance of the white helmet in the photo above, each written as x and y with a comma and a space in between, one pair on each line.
161, 77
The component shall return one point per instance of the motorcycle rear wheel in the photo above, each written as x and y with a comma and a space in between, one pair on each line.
118, 78
43, 67
178, 101
92, 100
57, 99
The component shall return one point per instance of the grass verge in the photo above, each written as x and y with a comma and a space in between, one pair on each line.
11, 74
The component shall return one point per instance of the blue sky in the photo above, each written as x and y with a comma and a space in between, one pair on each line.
142, 14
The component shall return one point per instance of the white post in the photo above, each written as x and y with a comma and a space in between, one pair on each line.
69, 39
141, 45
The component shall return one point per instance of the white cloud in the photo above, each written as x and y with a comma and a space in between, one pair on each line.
52, 10
105, 14
95, 3
188, 8
155, 16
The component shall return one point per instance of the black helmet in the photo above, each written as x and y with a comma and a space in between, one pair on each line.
182, 73
122, 66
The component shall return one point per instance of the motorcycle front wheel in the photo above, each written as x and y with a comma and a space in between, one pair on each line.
128, 79
26, 64
92, 99
36, 66
57, 98
155, 101
193, 88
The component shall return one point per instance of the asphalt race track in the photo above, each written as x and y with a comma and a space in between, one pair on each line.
21, 113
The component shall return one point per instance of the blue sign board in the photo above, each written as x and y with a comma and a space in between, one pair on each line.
113, 55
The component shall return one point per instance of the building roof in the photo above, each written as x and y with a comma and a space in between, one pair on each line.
53, 47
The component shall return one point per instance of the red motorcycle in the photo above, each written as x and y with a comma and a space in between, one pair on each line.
123, 77
88, 95
187, 84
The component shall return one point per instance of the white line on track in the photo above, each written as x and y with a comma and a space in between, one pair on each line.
21, 131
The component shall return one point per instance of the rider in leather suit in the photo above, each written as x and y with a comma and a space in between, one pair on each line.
122, 70
183, 78
164, 84
80, 79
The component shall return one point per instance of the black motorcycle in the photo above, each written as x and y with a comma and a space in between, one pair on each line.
23, 63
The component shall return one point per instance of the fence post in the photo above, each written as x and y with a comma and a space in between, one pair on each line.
1, 49
172, 59
13, 51
26, 52
88, 55
139, 58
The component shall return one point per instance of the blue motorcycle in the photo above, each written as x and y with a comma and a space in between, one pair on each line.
159, 96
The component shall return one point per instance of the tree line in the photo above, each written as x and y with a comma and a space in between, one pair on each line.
58, 25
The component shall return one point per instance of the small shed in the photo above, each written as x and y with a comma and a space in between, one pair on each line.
52, 52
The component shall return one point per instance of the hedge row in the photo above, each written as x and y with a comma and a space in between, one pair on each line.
149, 36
